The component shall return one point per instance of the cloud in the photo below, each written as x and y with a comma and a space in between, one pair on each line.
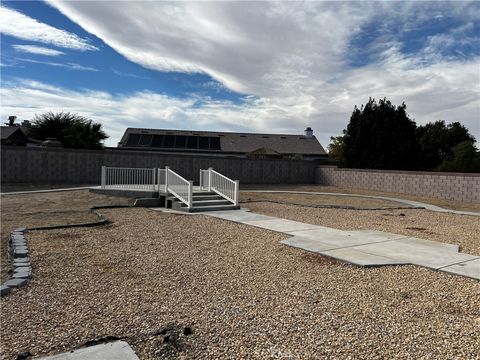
293, 59
125, 74
18, 25
69, 66
37, 50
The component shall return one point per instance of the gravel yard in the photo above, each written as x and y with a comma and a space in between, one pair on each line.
322, 200
243, 294
448, 204
462, 230
45, 209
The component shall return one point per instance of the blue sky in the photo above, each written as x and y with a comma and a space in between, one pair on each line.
259, 67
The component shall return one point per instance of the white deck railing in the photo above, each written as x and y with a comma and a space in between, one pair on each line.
128, 178
212, 180
181, 188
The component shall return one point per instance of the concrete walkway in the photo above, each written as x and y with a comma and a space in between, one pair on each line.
363, 247
118, 350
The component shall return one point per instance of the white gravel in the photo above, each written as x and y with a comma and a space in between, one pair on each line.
244, 295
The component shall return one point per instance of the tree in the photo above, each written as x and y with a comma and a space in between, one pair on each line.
72, 130
335, 149
437, 141
380, 136
465, 158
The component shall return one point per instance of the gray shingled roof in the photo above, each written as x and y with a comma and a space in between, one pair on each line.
233, 142
7, 131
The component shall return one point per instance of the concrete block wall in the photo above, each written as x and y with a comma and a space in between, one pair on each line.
74, 166
450, 186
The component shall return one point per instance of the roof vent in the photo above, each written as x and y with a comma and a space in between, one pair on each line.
308, 132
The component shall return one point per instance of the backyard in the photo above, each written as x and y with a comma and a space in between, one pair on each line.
220, 289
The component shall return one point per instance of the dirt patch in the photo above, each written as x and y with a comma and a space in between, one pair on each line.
47, 209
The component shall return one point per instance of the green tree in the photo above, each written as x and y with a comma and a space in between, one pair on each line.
335, 149
72, 130
465, 158
437, 141
380, 136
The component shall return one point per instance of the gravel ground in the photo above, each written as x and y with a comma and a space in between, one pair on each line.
312, 199
462, 230
447, 204
243, 294
44, 209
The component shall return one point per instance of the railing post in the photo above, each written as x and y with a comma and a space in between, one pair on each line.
153, 178
158, 180
190, 194
237, 192
166, 179
210, 179
104, 175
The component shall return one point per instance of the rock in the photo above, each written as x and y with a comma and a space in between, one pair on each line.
16, 283
22, 275
4, 290
187, 330
20, 229
21, 261
24, 355
22, 269
20, 253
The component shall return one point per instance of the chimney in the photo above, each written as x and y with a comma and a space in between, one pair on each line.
308, 132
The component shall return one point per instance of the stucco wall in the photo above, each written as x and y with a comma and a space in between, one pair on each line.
450, 186
68, 166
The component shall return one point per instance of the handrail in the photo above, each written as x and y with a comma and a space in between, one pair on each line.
179, 187
222, 185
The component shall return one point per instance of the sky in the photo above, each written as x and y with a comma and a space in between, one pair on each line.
274, 67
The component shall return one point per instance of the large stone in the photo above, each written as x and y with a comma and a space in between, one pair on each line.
4, 290
17, 237
17, 269
16, 283
21, 261
20, 253
22, 275
20, 248
20, 229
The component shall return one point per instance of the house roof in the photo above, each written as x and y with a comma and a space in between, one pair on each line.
7, 131
233, 142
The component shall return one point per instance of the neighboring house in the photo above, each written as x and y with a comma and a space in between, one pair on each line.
225, 143
13, 135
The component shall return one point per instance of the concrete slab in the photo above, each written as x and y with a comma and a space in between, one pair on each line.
118, 350
238, 215
361, 258
307, 244
340, 239
416, 252
469, 269
4, 290
280, 225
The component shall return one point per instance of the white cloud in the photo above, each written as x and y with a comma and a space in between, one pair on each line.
291, 56
69, 66
18, 25
37, 50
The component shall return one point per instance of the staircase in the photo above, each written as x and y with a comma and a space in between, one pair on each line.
202, 201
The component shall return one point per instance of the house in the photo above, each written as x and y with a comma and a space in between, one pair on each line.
13, 135
232, 144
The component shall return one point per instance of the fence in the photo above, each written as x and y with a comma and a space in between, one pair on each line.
128, 178
22, 165
450, 186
